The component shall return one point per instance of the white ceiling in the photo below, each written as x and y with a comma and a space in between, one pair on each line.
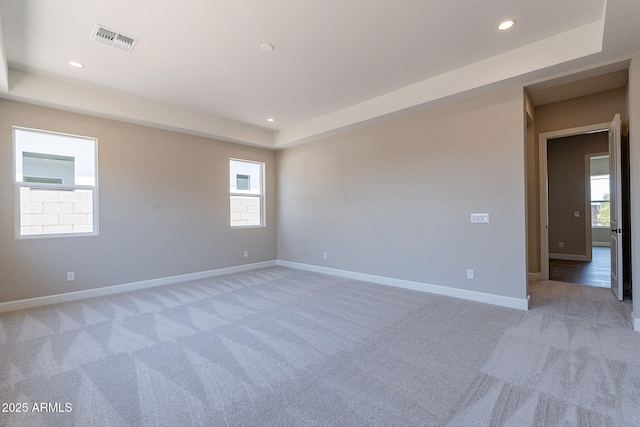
198, 66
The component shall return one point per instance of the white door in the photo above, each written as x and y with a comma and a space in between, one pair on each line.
616, 207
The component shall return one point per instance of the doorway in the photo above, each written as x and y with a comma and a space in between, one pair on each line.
597, 270
545, 248
561, 209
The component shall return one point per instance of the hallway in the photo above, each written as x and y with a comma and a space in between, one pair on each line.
594, 273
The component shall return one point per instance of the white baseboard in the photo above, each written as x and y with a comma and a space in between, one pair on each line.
636, 322
570, 257
520, 304
533, 276
127, 287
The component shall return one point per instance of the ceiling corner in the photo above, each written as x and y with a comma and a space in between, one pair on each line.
110, 104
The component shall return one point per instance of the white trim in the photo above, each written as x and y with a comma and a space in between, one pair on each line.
570, 257
544, 189
590, 227
587, 180
587, 207
127, 287
533, 276
636, 322
544, 208
510, 302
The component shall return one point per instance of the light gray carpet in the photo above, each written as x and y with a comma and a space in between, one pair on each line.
284, 347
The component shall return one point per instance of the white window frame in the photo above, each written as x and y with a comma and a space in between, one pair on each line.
261, 196
18, 185
599, 201
589, 157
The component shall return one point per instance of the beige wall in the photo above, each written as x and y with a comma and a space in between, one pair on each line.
394, 199
582, 111
567, 191
577, 112
601, 237
163, 209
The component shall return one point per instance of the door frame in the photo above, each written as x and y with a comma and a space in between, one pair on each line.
543, 184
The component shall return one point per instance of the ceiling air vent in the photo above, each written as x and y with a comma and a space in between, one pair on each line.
113, 38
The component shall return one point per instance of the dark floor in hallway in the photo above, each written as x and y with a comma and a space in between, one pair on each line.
594, 273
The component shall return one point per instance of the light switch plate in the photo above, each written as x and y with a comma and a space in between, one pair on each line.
480, 218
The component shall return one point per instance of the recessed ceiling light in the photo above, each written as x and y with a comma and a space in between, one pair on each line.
506, 25
76, 64
266, 47
271, 119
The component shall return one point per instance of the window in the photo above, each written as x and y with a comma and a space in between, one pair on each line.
246, 193
56, 184
600, 193
243, 182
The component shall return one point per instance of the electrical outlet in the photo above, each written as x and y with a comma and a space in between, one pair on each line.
246, 254
469, 273
71, 276
325, 256
561, 244
576, 214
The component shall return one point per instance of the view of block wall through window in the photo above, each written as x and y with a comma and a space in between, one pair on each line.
246, 193
55, 211
245, 211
